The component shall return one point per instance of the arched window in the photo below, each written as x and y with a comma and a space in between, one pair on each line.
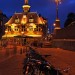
16, 28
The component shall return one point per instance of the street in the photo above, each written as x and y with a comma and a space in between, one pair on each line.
35, 64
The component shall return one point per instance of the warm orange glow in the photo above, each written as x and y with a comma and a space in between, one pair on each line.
32, 24
25, 24
13, 26
24, 19
24, 6
40, 20
57, 20
35, 35
6, 31
22, 33
9, 35
31, 27
58, 2
24, 16
57, 28
54, 24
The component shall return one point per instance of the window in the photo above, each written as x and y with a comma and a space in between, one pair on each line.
31, 20
17, 20
9, 28
16, 29
35, 29
30, 28
23, 28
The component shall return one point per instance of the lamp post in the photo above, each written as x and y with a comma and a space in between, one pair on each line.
57, 21
57, 3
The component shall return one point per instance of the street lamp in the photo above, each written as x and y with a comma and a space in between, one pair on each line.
54, 24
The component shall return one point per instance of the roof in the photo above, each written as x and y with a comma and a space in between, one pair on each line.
12, 19
25, 18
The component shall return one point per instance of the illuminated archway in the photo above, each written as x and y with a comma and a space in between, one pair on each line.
31, 27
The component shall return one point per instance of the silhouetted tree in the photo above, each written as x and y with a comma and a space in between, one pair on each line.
70, 19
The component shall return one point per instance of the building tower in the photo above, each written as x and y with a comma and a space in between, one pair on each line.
26, 24
57, 21
26, 7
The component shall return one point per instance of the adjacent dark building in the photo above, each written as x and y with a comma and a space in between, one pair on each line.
3, 20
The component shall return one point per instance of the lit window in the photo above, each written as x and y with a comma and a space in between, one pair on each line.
17, 20
24, 16
9, 28
35, 29
30, 28
16, 29
31, 20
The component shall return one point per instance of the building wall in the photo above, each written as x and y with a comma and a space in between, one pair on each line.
68, 44
65, 38
3, 20
66, 33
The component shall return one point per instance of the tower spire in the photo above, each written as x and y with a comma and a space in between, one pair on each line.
26, 2
26, 7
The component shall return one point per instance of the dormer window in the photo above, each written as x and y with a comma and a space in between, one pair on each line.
24, 20
17, 20
31, 20
24, 16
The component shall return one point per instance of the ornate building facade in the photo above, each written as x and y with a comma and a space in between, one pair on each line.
27, 23
25, 27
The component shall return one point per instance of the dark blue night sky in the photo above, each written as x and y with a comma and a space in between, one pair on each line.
46, 8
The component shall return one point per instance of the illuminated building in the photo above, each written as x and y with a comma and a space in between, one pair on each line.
27, 23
